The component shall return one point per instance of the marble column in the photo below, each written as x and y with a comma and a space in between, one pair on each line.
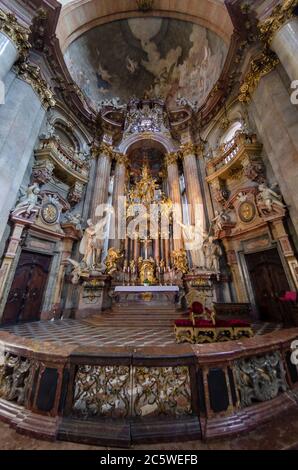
21, 118
277, 123
9, 54
118, 192
174, 192
285, 44
192, 184
102, 178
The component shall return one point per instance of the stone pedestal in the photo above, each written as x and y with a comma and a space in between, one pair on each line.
94, 296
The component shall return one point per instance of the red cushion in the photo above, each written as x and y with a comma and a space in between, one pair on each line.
197, 308
181, 322
204, 324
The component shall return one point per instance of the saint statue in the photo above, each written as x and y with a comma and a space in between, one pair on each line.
92, 241
212, 253
29, 199
267, 198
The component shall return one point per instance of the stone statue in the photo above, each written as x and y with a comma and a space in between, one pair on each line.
74, 219
212, 253
78, 270
112, 260
220, 219
267, 199
92, 242
29, 199
193, 240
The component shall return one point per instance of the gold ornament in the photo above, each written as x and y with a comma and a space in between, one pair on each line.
31, 75
180, 260
112, 260
280, 15
171, 158
188, 150
259, 67
17, 33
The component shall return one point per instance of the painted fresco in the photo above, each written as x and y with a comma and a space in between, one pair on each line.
157, 57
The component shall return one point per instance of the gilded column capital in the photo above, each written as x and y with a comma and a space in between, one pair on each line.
280, 15
187, 150
259, 67
121, 158
15, 32
102, 150
31, 74
171, 158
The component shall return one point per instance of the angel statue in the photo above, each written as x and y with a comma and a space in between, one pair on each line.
29, 199
112, 260
78, 270
220, 219
92, 242
180, 260
267, 198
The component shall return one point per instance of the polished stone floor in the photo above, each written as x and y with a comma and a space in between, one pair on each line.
80, 332
280, 434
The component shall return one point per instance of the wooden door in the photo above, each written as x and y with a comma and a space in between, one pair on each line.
26, 294
268, 280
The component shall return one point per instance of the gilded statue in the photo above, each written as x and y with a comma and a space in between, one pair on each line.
146, 270
112, 260
180, 260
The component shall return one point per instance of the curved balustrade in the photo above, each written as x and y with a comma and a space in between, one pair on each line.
66, 156
119, 396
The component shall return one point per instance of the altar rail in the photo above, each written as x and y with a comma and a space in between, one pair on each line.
124, 396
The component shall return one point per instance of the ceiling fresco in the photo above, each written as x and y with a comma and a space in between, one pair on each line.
157, 57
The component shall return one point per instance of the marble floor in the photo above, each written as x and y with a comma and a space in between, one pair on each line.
80, 332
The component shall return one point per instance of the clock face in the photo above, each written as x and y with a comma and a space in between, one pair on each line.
50, 213
247, 212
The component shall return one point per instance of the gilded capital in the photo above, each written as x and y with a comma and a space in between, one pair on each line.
31, 74
171, 158
103, 150
280, 15
121, 158
188, 149
259, 67
15, 32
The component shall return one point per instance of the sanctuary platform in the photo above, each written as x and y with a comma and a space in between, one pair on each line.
99, 382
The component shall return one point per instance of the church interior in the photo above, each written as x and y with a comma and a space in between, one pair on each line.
149, 223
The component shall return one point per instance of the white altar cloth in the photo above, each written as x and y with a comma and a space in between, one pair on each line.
131, 289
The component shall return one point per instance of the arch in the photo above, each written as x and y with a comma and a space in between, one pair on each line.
79, 17
166, 142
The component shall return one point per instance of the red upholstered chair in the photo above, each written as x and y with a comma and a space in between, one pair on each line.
199, 313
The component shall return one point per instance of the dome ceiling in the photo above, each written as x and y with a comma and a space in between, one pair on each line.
158, 57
